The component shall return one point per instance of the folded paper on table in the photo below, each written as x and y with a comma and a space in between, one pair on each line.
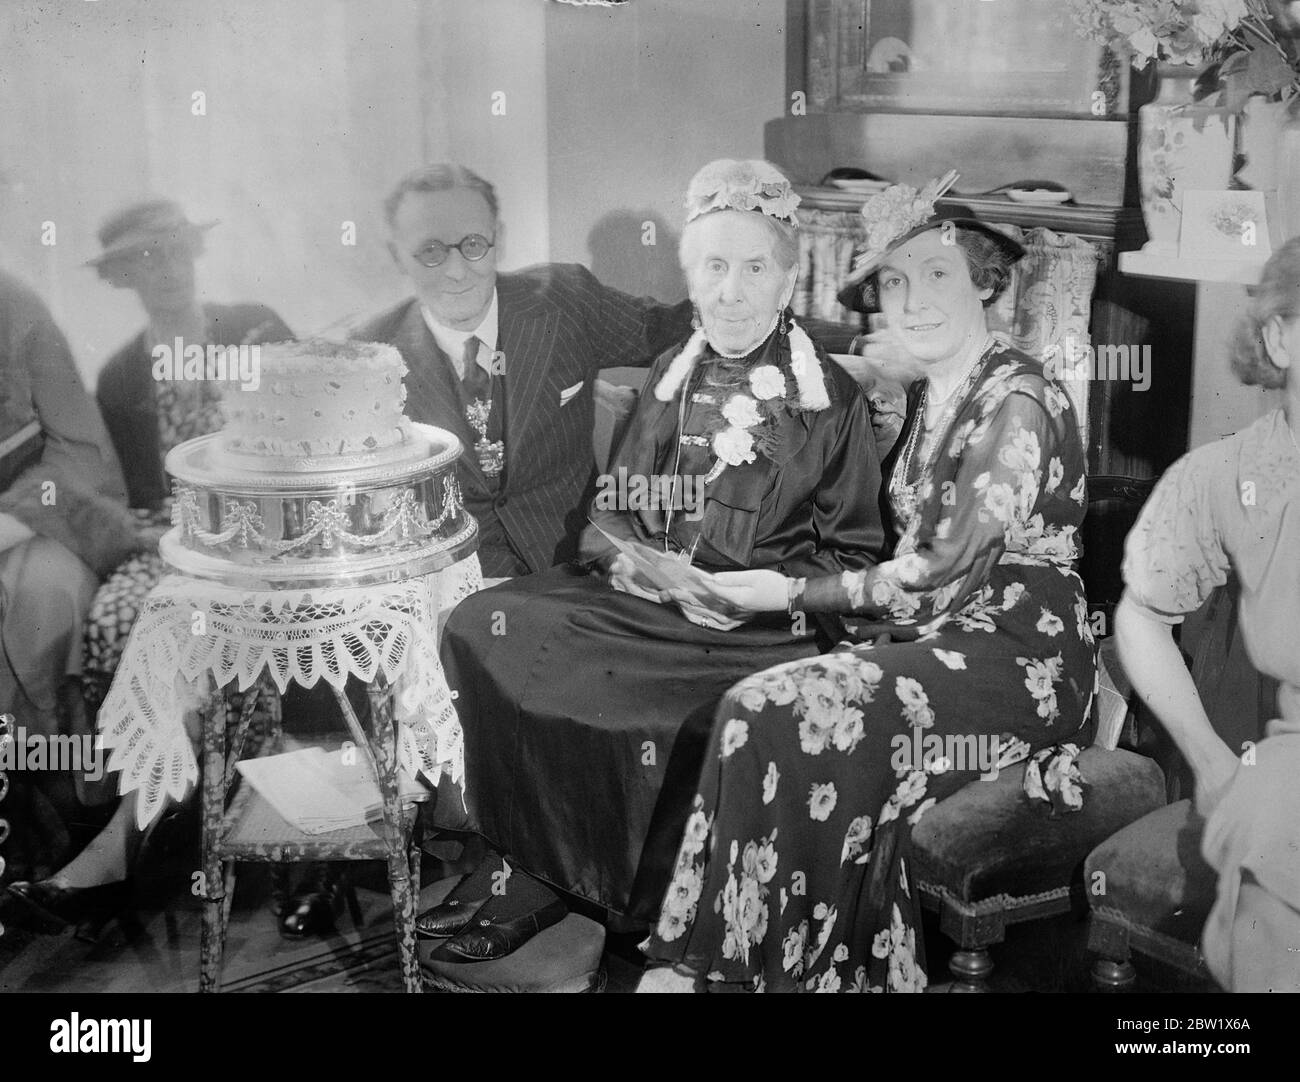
317, 791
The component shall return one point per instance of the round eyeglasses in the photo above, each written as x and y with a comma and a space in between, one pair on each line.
435, 253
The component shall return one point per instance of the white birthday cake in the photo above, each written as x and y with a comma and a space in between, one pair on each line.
316, 399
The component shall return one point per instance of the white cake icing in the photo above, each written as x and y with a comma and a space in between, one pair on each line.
319, 398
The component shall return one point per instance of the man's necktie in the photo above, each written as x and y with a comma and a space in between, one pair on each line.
477, 383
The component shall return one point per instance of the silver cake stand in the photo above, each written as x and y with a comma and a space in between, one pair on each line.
307, 523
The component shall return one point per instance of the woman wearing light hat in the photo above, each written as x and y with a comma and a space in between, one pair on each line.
794, 870
149, 247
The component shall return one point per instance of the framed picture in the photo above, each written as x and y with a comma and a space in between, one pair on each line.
968, 57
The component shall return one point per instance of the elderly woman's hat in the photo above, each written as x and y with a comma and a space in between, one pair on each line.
730, 184
898, 214
139, 225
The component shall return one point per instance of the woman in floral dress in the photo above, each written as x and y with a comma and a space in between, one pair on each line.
794, 870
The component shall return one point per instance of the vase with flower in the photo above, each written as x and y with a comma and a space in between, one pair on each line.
1221, 62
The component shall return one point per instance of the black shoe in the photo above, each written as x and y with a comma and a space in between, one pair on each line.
51, 908
485, 940
467, 897
448, 919
315, 907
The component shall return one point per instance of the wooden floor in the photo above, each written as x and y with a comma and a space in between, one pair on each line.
157, 948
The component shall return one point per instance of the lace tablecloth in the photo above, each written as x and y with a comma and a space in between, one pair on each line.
189, 629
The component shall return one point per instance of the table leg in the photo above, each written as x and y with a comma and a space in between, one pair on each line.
382, 755
212, 937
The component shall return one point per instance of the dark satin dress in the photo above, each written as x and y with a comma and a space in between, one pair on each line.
587, 711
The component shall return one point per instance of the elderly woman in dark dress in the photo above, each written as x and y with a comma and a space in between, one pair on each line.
584, 698
793, 872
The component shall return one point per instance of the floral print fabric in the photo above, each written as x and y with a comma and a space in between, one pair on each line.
794, 872
118, 600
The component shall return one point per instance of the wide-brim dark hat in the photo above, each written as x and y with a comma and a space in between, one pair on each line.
137, 226
865, 261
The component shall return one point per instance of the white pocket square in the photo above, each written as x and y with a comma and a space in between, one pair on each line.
568, 393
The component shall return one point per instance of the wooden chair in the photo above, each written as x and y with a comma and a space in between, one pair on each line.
251, 830
987, 857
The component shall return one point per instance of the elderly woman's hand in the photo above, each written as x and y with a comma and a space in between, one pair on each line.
720, 617
623, 577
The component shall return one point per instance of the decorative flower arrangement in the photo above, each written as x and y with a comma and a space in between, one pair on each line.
1245, 46
738, 185
899, 209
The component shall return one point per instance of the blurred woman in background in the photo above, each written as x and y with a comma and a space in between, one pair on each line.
1234, 506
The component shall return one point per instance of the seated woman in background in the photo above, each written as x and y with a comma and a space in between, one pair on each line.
63, 519
583, 698
794, 870
1234, 505
150, 248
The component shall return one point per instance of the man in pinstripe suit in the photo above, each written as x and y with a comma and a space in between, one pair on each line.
508, 362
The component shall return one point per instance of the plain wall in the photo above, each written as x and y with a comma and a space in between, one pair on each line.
589, 121
638, 99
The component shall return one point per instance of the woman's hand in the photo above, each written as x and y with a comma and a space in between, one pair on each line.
148, 537
749, 591
878, 358
720, 618
623, 577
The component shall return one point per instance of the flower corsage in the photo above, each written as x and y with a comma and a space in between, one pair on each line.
743, 424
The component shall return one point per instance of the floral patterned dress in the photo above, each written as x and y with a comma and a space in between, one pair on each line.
793, 872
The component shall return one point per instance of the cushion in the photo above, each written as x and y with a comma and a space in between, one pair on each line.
566, 957
1154, 874
990, 839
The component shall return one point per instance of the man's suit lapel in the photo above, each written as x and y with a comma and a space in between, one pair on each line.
431, 396
526, 339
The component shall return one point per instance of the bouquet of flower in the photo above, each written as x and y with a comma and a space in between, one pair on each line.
1245, 46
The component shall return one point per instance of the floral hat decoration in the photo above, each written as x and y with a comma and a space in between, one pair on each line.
901, 212
729, 184
745, 421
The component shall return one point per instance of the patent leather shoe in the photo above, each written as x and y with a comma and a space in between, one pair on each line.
486, 940
447, 919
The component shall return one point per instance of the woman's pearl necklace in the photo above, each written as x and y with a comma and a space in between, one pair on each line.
934, 407
746, 352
